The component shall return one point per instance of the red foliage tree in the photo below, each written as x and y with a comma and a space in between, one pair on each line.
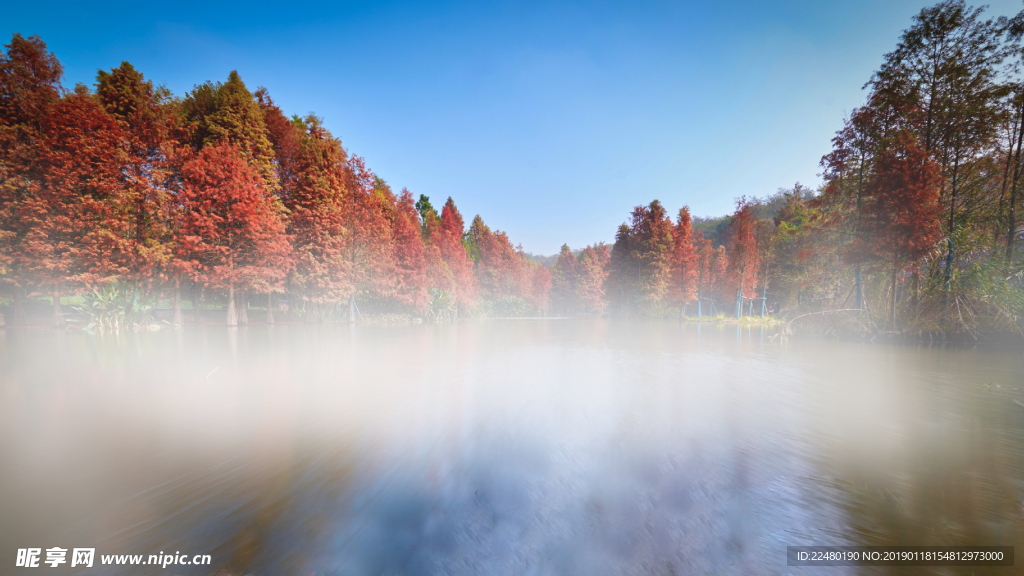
704, 268
228, 113
316, 197
285, 136
720, 281
681, 288
145, 117
623, 269
501, 271
503, 274
641, 260
564, 277
370, 258
29, 84
75, 234
540, 286
743, 253
654, 228
232, 232
451, 219
131, 184
411, 282
578, 282
592, 269
447, 237
439, 276
901, 210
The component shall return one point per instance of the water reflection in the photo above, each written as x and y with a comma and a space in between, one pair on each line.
502, 448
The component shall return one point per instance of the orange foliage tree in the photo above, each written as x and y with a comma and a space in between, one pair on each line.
457, 274
410, 256
220, 188
318, 205
29, 85
232, 233
565, 277
743, 254
75, 234
682, 279
901, 210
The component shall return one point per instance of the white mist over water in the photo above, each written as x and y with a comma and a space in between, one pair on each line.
549, 447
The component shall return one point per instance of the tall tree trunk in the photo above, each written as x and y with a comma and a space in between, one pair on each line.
352, 308
933, 85
243, 308
270, 307
866, 308
176, 318
1011, 228
1011, 225
58, 321
860, 290
739, 297
892, 302
914, 287
197, 296
698, 304
860, 204
764, 282
311, 312
1008, 175
952, 223
18, 318
1003, 185
232, 315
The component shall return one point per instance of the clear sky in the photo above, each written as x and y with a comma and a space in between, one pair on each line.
550, 119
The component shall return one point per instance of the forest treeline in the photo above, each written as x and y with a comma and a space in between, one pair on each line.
915, 228
126, 192
218, 195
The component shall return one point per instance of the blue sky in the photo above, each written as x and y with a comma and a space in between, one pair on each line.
549, 119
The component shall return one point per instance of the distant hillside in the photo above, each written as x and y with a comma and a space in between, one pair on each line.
549, 261
545, 261
717, 227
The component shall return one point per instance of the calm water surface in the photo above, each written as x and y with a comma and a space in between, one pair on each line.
502, 448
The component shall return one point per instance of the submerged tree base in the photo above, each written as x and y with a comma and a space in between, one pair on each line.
742, 321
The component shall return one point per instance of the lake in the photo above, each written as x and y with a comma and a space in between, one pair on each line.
505, 447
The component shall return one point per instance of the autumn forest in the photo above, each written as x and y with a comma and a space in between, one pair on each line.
122, 197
